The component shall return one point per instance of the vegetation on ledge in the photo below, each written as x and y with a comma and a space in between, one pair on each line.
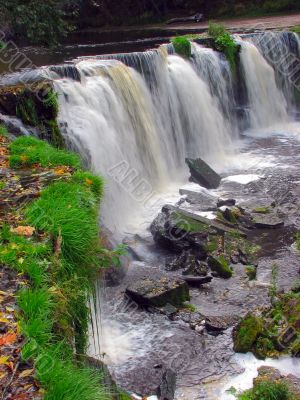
53, 242
224, 43
182, 46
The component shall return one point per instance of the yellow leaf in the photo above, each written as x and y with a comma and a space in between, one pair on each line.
21, 260
4, 320
10, 309
3, 375
26, 372
4, 360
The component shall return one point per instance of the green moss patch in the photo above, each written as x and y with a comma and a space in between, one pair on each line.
246, 333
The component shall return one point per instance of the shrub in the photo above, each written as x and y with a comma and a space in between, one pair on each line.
182, 46
216, 30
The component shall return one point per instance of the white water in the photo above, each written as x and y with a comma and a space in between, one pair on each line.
138, 141
137, 128
267, 104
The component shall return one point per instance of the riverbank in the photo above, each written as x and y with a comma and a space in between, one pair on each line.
50, 255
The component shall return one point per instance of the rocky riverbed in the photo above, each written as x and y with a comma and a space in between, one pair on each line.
195, 339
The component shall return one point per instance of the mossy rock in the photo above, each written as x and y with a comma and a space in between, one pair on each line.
246, 333
263, 348
220, 266
251, 272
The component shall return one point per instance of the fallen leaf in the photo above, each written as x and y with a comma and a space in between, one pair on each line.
4, 320
23, 230
7, 339
3, 375
26, 372
4, 360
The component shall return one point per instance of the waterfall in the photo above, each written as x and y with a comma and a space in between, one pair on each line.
137, 131
267, 104
282, 51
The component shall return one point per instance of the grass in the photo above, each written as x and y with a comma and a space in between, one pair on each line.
267, 391
60, 259
3, 131
296, 29
182, 46
27, 151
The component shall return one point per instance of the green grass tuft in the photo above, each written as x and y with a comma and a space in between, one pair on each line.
267, 391
27, 151
3, 131
182, 46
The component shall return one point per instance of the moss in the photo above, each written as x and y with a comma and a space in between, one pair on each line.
246, 333
263, 347
251, 272
182, 46
296, 29
3, 131
220, 266
268, 390
189, 224
261, 210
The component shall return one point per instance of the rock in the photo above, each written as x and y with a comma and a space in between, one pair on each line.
204, 201
218, 324
167, 387
226, 202
267, 221
158, 293
169, 310
246, 333
203, 174
220, 267
195, 267
197, 280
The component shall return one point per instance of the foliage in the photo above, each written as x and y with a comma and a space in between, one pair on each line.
182, 46
267, 390
216, 30
296, 29
273, 288
246, 333
27, 151
3, 131
224, 42
251, 272
61, 258
37, 22
298, 240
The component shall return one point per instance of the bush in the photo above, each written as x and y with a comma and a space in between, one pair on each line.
182, 46
216, 30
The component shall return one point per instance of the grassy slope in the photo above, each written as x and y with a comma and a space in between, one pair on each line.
60, 256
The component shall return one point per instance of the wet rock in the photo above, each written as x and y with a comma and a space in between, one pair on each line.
267, 221
226, 202
203, 174
197, 280
169, 310
158, 293
220, 267
195, 267
218, 324
204, 201
246, 333
167, 387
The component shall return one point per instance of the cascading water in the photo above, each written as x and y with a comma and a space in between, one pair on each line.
267, 104
132, 133
135, 118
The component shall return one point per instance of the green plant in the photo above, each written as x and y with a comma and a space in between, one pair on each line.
267, 390
251, 272
296, 29
27, 151
273, 288
246, 333
216, 30
261, 210
182, 46
190, 307
3, 130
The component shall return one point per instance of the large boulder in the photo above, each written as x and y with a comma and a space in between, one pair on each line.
203, 174
158, 293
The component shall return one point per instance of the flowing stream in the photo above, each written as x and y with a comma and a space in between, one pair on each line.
135, 118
